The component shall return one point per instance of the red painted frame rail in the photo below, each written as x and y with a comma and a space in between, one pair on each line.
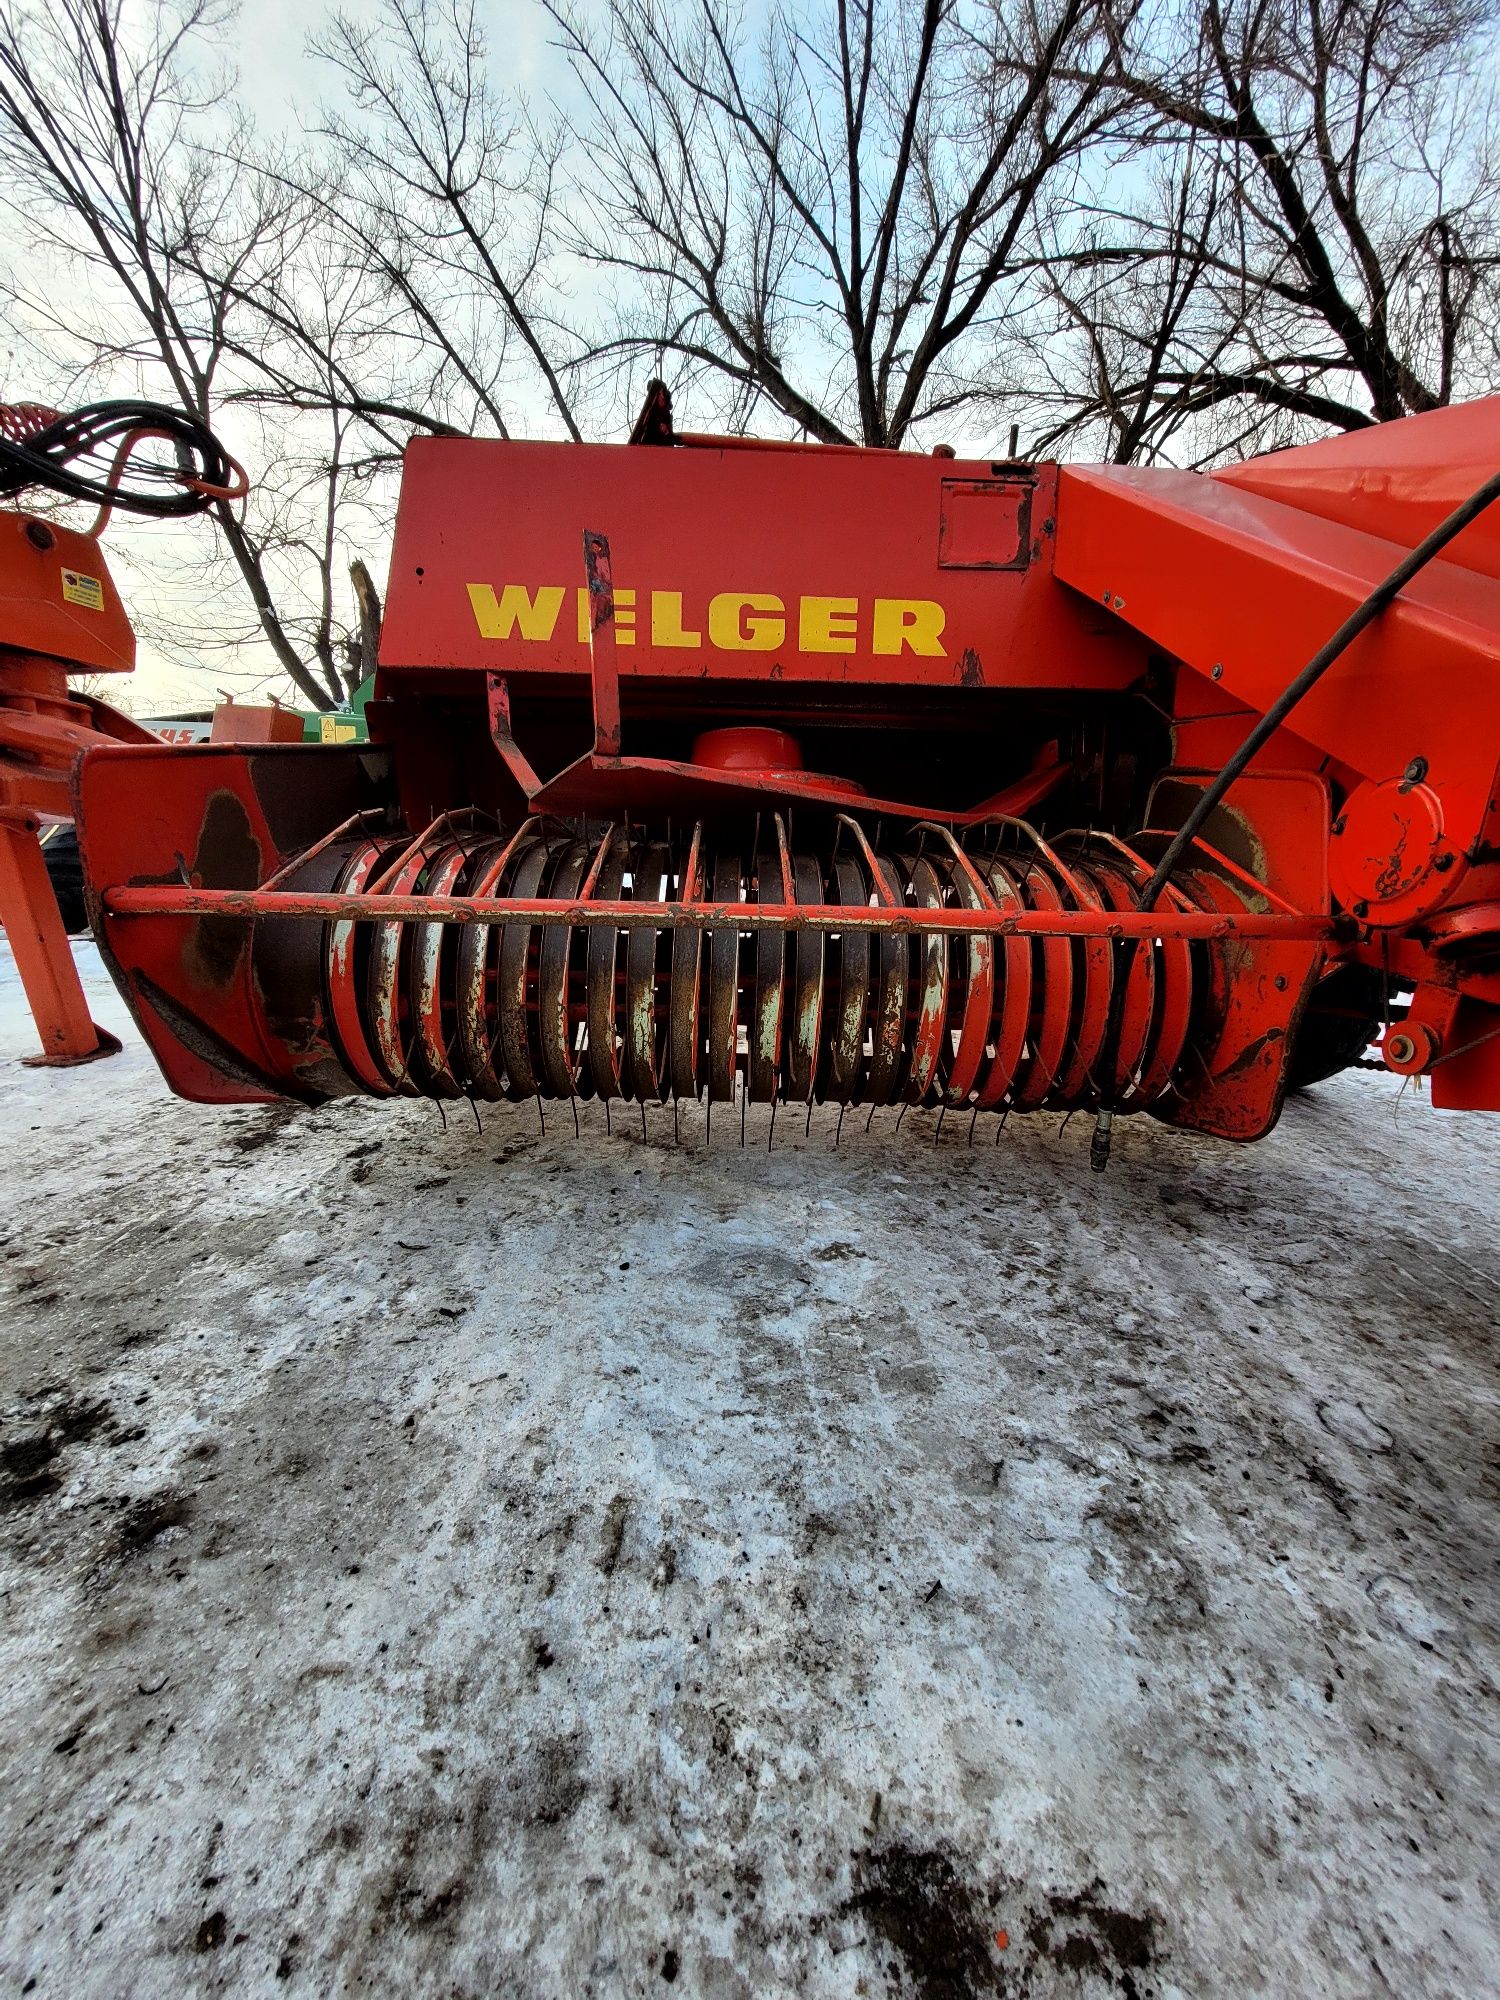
333, 908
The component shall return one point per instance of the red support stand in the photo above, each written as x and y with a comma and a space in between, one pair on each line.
34, 927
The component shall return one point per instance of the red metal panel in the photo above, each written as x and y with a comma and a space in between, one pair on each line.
1227, 580
58, 597
1393, 480
746, 564
34, 929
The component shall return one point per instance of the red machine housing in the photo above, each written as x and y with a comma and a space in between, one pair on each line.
818, 773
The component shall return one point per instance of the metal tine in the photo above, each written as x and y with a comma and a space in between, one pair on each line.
676, 1122
645, 1135
540, 1116
871, 1119
942, 1114
690, 880
838, 1129
980, 886
972, 1123
609, 1129
807, 1130
771, 1134
882, 889
1004, 1120
478, 1121
744, 1106
310, 853
788, 891
596, 865
443, 822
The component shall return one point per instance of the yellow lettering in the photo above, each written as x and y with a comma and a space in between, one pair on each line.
827, 624
624, 615
913, 622
746, 622
666, 621
498, 618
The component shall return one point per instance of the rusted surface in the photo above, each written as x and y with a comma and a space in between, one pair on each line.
594, 966
931, 628
607, 914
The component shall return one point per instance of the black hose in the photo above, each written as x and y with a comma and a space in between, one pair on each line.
78, 456
1213, 794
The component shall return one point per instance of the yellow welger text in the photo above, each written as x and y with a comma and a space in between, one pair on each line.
733, 621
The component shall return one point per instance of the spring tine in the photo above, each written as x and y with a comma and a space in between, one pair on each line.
769, 999
348, 826
515, 960
882, 888
851, 1005
540, 1118
723, 986
684, 1009
804, 1035
788, 893
531, 1005
591, 879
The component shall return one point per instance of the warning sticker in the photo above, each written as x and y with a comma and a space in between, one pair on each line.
85, 590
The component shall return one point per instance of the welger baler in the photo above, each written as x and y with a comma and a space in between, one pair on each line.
702, 768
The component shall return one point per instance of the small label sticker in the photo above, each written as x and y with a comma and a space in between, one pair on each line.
85, 590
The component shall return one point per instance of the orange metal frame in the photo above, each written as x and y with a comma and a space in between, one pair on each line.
59, 612
560, 619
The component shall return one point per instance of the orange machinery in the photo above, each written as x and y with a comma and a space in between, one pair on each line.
708, 769
61, 615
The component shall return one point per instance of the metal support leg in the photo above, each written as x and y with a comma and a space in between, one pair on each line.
33, 924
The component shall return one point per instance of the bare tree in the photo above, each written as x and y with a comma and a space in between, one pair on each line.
436, 197
145, 241
844, 221
1340, 262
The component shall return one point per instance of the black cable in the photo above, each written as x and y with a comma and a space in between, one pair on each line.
78, 456
1213, 794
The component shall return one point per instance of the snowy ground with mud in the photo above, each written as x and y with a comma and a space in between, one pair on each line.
435, 1562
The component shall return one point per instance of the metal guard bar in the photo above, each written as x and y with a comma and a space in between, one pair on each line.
171, 901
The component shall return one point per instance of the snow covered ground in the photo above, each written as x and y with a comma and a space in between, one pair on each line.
457, 1563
